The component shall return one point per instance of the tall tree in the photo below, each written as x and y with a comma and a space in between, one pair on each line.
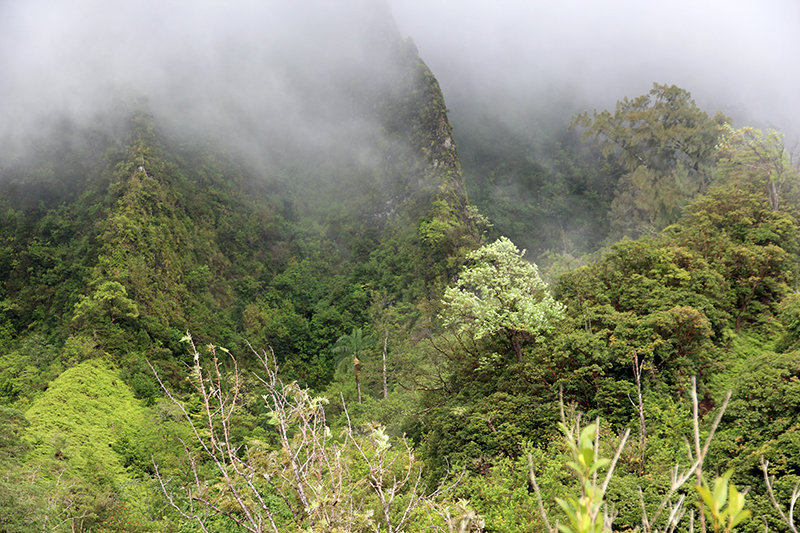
668, 146
750, 155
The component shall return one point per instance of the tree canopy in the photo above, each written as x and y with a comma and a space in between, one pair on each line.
667, 144
158, 238
748, 154
499, 292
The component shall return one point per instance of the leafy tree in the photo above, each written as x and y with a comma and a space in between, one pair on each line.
668, 146
736, 231
109, 303
646, 305
499, 293
748, 154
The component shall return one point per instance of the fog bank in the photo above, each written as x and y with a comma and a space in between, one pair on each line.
255, 73
732, 55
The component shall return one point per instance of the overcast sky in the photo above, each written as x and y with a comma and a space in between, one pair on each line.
727, 53
274, 59
255, 74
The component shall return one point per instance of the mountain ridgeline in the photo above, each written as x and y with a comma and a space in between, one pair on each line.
121, 234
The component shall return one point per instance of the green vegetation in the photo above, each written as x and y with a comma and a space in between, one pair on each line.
667, 145
500, 293
369, 353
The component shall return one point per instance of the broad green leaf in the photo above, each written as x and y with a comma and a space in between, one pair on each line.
721, 490
706, 495
743, 515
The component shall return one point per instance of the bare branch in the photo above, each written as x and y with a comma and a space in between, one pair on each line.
789, 521
538, 492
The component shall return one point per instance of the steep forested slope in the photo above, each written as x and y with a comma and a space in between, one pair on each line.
710, 296
117, 241
332, 245
122, 232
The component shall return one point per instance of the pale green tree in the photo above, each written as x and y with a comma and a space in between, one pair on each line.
751, 155
109, 303
500, 293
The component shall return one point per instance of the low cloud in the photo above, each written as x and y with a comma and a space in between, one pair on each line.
732, 55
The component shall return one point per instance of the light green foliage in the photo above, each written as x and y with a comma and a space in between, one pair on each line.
20, 500
499, 293
354, 344
747, 154
723, 504
299, 476
586, 512
501, 493
109, 303
18, 375
583, 512
81, 415
76, 429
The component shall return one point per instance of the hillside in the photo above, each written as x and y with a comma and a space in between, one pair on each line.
118, 238
263, 297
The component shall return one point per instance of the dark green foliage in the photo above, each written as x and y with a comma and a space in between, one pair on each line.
670, 305
761, 421
766, 404
20, 501
669, 147
162, 240
670, 300
539, 186
749, 244
484, 405
789, 315
117, 237
642, 302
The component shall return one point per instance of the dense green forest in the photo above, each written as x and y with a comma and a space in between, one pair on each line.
194, 341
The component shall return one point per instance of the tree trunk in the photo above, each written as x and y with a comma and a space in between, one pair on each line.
385, 342
516, 345
356, 362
